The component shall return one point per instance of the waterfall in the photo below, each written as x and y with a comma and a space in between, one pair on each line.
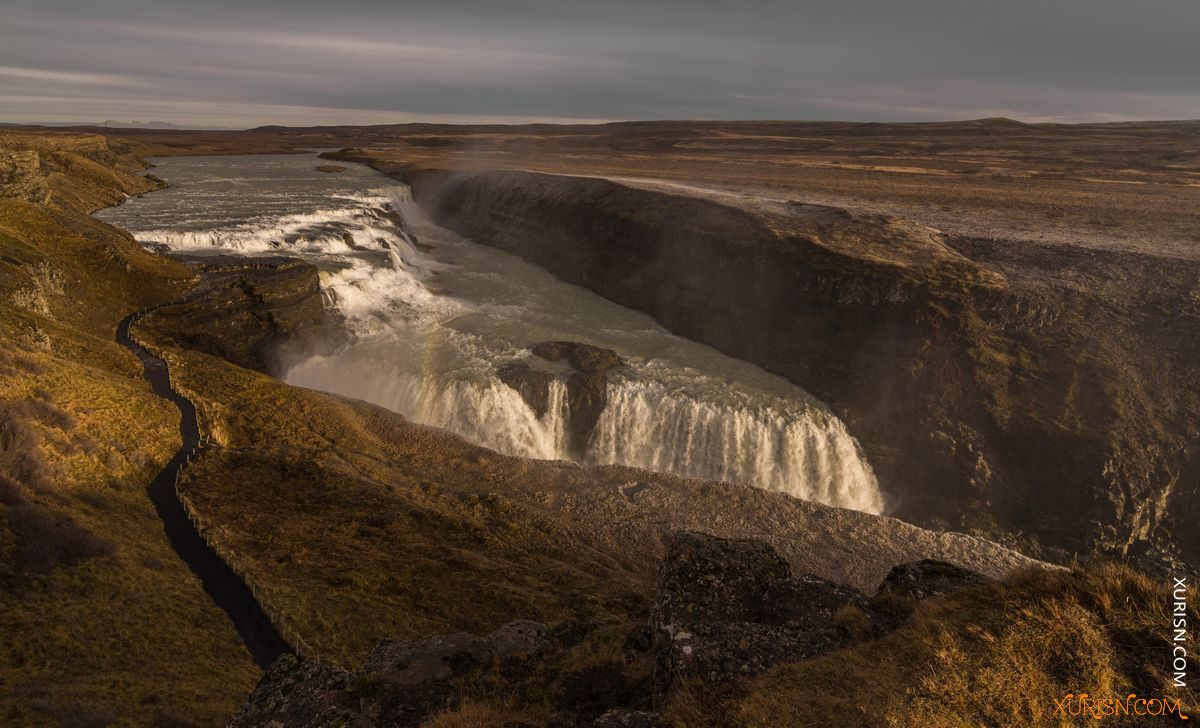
433, 323
799, 450
804, 452
489, 413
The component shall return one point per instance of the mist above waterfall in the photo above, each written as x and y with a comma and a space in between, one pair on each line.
435, 316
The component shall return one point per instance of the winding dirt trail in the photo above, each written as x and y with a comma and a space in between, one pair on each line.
226, 588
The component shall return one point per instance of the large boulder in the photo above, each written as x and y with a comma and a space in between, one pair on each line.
928, 578
518, 640
298, 693
725, 652
710, 579
403, 680
399, 684
728, 609
808, 601
583, 358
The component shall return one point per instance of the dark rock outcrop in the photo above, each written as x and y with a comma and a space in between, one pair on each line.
518, 640
587, 387
583, 358
808, 601
629, 719
259, 313
729, 609
404, 680
707, 579
533, 385
299, 693
399, 684
724, 610
928, 578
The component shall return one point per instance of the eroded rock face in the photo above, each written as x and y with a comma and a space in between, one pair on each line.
725, 610
258, 313
531, 384
587, 385
21, 177
587, 396
971, 371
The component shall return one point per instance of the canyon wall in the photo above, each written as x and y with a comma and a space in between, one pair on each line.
1040, 395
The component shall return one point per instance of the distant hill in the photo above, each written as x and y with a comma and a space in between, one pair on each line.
115, 124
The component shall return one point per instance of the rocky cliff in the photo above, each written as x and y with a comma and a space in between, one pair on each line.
1020, 390
258, 313
77, 172
21, 176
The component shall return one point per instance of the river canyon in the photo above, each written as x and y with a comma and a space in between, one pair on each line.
436, 319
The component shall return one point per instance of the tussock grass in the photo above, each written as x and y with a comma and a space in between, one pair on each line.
996, 655
50, 540
481, 715
21, 460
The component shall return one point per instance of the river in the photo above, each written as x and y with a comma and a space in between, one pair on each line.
434, 316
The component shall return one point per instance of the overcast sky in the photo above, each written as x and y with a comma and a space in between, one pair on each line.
250, 62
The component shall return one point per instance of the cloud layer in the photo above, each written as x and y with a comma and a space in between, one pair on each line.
361, 61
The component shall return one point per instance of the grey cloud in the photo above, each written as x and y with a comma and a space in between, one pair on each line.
358, 61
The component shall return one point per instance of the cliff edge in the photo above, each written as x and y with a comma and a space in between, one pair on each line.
1034, 393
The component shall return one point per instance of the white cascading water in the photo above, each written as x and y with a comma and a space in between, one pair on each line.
433, 324
481, 409
805, 453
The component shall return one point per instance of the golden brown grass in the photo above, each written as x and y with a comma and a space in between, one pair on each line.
355, 525
101, 621
999, 655
482, 715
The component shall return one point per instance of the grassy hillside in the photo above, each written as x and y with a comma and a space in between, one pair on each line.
101, 620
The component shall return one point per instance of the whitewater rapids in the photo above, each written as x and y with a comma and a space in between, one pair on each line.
435, 315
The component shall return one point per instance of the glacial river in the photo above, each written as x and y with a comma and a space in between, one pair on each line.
434, 316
